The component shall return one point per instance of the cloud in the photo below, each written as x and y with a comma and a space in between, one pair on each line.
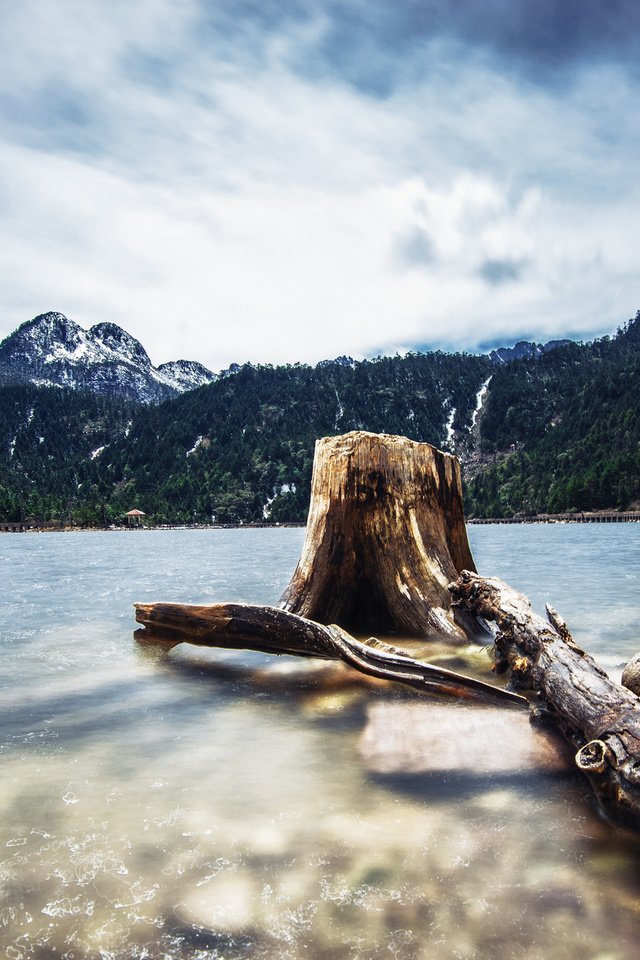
496, 272
228, 183
375, 44
414, 249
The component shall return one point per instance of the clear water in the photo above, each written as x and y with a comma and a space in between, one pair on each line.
192, 805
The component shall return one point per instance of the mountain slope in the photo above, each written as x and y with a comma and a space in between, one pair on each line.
563, 432
52, 350
241, 448
50, 439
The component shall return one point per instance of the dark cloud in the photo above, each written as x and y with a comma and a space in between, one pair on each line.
551, 32
497, 272
57, 117
414, 249
373, 44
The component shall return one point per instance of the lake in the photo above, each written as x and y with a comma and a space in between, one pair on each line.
200, 804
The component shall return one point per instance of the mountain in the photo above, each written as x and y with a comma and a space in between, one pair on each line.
186, 374
525, 348
239, 449
53, 351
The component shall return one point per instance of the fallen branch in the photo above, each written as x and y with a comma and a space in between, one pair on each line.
600, 718
271, 630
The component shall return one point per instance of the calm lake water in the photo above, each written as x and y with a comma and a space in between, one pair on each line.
199, 804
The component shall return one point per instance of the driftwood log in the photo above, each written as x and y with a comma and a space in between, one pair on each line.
600, 718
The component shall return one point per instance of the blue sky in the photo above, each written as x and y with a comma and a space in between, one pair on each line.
282, 181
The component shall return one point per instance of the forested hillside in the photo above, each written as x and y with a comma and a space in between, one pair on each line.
48, 439
563, 432
240, 449
557, 431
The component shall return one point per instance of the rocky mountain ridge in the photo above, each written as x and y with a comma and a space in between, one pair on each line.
525, 348
53, 351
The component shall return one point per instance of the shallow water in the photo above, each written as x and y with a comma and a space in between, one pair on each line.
177, 805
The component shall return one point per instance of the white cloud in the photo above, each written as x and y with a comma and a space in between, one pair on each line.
234, 210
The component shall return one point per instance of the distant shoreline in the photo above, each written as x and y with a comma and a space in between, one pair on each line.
29, 527
627, 516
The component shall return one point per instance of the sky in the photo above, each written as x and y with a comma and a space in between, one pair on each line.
276, 181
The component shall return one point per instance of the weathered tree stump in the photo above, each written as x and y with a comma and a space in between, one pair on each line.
385, 537
600, 718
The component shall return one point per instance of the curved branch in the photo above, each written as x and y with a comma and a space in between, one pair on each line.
271, 630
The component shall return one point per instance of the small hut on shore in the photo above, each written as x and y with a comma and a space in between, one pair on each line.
134, 517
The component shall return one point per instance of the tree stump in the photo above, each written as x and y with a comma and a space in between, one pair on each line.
385, 536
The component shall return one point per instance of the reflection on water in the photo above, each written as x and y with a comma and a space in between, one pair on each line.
191, 805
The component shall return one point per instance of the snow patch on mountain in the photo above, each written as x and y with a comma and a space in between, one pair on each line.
449, 428
480, 398
187, 373
196, 445
277, 492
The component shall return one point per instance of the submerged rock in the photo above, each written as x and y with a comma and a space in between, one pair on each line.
413, 737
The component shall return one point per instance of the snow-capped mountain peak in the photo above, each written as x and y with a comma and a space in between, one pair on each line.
188, 373
52, 350
120, 343
50, 330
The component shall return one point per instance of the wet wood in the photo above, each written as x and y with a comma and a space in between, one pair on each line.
385, 536
272, 630
600, 718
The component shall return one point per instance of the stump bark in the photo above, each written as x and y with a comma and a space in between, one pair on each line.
385, 536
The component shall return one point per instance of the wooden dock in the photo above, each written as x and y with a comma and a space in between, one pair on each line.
21, 526
629, 516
